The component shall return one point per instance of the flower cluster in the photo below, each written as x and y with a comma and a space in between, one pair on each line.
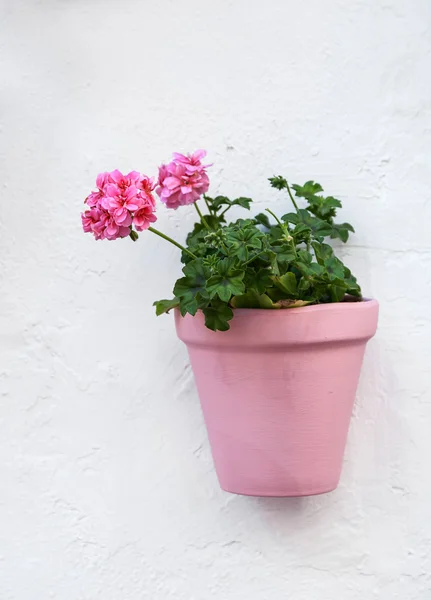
183, 180
120, 201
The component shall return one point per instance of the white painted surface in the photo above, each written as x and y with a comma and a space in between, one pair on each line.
107, 486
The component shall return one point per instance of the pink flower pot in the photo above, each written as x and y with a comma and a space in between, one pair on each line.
277, 392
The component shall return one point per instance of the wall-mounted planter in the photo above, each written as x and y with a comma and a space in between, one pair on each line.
277, 392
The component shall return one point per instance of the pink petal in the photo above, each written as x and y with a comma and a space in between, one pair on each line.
101, 180
124, 231
112, 190
180, 157
116, 176
198, 154
112, 228
172, 182
133, 176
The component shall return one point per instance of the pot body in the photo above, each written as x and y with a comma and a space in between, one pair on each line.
277, 392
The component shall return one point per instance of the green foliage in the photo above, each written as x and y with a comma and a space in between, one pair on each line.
164, 306
217, 315
191, 289
263, 219
287, 284
263, 262
279, 182
220, 202
227, 280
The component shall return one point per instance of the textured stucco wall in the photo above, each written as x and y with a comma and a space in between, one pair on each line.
107, 490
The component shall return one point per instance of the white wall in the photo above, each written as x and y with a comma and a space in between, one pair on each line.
107, 485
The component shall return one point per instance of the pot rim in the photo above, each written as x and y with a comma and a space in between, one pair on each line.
260, 327
310, 308
353, 305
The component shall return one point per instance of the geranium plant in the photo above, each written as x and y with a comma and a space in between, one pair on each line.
266, 261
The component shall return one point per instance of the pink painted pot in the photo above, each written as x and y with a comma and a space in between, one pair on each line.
277, 392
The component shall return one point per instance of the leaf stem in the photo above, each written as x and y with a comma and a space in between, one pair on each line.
225, 210
204, 223
285, 228
291, 197
208, 206
275, 217
168, 239
253, 257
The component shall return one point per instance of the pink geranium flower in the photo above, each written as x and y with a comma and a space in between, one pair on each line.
89, 219
122, 205
147, 185
183, 180
118, 199
95, 197
124, 181
192, 162
100, 223
112, 230
144, 217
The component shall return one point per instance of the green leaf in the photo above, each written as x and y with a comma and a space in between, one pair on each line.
244, 202
187, 288
350, 281
272, 257
249, 235
305, 256
219, 201
301, 232
262, 219
309, 189
319, 227
309, 270
257, 280
217, 316
303, 285
337, 292
323, 252
328, 203
314, 269
188, 304
287, 283
341, 231
284, 253
244, 223
275, 233
227, 282
334, 267
324, 208
164, 306
196, 235
200, 250
241, 239
252, 300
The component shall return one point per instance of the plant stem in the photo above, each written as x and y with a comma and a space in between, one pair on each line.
291, 197
275, 217
285, 228
253, 257
208, 206
204, 223
225, 211
168, 239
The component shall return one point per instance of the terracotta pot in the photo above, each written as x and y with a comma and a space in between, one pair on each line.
277, 392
